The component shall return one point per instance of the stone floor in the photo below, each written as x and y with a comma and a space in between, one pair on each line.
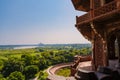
85, 65
56, 77
113, 63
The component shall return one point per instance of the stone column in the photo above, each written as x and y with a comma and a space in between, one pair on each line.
99, 47
93, 51
93, 55
105, 53
105, 48
98, 52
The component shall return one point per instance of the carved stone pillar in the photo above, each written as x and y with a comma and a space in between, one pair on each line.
93, 56
99, 58
98, 51
99, 42
94, 67
105, 53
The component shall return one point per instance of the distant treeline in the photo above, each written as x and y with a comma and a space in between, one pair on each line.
47, 45
13, 46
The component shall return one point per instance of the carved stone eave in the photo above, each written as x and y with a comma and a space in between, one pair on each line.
82, 5
85, 32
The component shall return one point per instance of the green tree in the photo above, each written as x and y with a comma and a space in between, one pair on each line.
11, 65
30, 71
1, 65
42, 63
27, 58
1, 77
85, 51
16, 76
69, 57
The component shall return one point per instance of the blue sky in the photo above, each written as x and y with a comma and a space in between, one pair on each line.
38, 21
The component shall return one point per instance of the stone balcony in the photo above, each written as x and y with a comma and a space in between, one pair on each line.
102, 13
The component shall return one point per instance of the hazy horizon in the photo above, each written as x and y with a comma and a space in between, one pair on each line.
45, 43
38, 21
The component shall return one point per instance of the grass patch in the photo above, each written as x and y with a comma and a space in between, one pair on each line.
64, 72
42, 75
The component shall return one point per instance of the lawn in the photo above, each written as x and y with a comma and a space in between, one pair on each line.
64, 72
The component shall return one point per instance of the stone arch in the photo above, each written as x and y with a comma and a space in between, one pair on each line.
111, 46
114, 44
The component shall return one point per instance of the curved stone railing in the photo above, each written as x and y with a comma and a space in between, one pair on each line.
51, 70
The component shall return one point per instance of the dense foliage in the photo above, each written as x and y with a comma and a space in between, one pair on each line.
16, 76
26, 63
